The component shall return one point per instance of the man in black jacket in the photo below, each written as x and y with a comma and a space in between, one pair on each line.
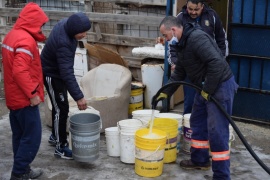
201, 60
57, 64
195, 11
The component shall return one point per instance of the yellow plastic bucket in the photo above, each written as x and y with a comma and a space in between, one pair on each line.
170, 126
149, 152
136, 97
179, 118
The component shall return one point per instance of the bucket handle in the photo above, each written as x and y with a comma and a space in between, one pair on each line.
119, 127
90, 107
167, 138
150, 154
139, 120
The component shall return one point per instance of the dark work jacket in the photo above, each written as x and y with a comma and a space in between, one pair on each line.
210, 23
200, 59
57, 58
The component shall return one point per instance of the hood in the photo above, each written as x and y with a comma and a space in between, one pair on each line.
77, 23
31, 19
188, 29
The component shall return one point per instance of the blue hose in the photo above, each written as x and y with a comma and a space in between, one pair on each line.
236, 129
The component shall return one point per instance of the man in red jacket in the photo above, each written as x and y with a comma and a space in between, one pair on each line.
23, 83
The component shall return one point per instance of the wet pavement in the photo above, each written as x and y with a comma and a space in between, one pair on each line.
243, 166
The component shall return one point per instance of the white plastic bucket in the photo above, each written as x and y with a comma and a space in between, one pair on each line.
127, 129
112, 141
144, 115
129, 126
127, 152
152, 76
179, 118
186, 134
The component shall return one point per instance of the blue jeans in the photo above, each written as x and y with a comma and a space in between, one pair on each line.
26, 137
208, 123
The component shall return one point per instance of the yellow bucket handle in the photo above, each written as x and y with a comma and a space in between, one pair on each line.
167, 138
150, 154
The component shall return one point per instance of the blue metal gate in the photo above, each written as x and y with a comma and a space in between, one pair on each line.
249, 38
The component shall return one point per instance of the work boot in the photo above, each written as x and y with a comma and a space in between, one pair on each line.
19, 176
188, 164
34, 174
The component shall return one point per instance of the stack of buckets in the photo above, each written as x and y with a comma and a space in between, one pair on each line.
149, 152
127, 129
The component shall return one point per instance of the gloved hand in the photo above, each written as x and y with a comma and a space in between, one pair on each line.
205, 95
156, 99
162, 96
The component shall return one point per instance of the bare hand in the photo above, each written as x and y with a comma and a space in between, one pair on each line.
81, 103
35, 101
160, 40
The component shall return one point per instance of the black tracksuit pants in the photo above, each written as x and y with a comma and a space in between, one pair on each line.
57, 92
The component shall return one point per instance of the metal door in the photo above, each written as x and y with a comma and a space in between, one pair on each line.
249, 38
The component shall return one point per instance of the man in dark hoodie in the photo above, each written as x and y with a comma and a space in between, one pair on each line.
195, 11
201, 60
57, 64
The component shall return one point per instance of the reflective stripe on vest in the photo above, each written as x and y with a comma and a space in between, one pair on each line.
18, 50
199, 144
25, 51
8, 47
220, 156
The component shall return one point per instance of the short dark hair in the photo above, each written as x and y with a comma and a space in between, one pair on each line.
196, 1
170, 21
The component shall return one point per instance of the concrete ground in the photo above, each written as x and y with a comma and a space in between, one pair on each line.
243, 166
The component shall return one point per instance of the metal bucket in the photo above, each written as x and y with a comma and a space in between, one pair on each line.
85, 136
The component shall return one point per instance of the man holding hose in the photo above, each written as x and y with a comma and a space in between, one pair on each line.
201, 60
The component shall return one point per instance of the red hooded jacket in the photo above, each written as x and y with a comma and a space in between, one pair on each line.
23, 78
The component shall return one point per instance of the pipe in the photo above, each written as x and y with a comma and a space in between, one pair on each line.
238, 132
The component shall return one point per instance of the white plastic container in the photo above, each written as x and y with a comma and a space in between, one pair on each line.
144, 115
186, 134
112, 141
152, 77
127, 129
